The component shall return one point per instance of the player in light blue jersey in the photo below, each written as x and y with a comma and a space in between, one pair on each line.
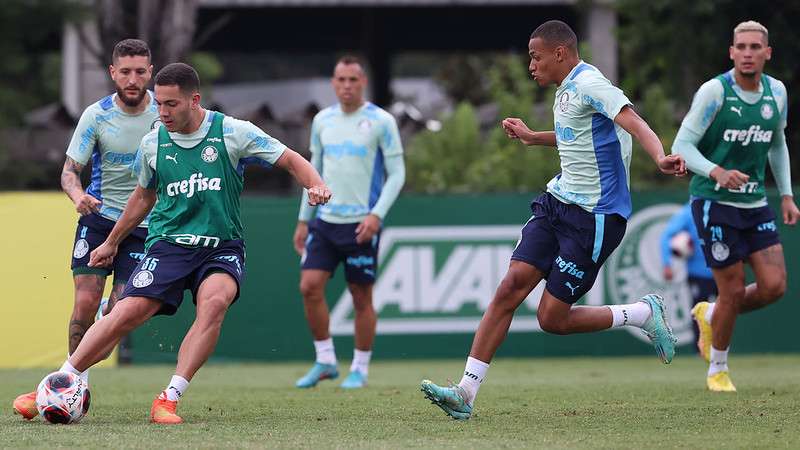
356, 147
108, 135
577, 223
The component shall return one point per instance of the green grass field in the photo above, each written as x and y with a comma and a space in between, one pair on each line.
541, 403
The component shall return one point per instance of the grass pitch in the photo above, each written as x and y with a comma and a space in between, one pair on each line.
532, 403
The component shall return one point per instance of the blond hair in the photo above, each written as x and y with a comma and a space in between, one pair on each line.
751, 25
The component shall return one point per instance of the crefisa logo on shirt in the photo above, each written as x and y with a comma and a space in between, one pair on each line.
209, 154
196, 183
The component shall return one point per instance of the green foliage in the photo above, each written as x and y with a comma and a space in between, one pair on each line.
29, 42
208, 67
437, 159
676, 45
462, 157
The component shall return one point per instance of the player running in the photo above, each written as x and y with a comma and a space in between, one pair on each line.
356, 147
735, 125
191, 170
577, 223
108, 133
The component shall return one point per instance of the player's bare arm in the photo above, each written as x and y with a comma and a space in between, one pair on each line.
306, 175
71, 185
367, 228
300, 236
789, 209
729, 179
139, 205
516, 129
639, 129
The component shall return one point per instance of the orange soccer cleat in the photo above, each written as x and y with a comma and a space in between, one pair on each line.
163, 411
25, 405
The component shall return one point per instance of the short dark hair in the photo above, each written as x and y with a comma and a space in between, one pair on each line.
351, 59
130, 47
179, 74
556, 32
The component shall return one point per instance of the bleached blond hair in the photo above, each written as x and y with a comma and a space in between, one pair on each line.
751, 25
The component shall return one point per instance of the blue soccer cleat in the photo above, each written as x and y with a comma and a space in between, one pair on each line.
451, 399
658, 330
317, 373
354, 380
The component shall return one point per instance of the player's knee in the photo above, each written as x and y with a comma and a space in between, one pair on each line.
125, 317
311, 290
550, 323
86, 304
363, 303
213, 309
509, 292
773, 289
362, 297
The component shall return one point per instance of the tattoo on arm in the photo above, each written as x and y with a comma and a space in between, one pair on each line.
71, 178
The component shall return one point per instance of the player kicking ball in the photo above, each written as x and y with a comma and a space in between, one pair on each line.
577, 223
190, 169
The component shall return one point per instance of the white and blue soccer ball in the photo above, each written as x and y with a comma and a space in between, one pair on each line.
62, 397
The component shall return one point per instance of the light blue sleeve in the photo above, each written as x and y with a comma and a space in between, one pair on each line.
390, 138
249, 144
84, 137
779, 163
307, 211
145, 163
396, 177
599, 94
677, 223
705, 106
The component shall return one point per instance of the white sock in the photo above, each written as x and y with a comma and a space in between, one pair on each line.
634, 314
709, 312
361, 361
67, 367
325, 351
176, 387
474, 373
84, 375
718, 362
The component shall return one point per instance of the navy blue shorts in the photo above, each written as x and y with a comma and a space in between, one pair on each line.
568, 244
702, 289
730, 234
93, 229
328, 244
169, 269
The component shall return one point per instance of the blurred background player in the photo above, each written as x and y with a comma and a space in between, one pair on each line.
735, 125
356, 147
193, 167
680, 240
577, 223
108, 132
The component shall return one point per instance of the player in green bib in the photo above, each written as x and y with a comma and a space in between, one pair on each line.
190, 175
734, 127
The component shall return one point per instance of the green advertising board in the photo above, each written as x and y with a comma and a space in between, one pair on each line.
441, 259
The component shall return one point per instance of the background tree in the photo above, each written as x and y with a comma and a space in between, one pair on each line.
668, 48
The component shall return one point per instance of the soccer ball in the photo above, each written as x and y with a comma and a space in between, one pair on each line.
62, 397
681, 245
